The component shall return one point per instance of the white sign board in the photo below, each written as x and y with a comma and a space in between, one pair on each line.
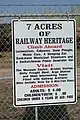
44, 62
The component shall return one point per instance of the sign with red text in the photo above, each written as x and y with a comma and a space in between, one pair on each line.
44, 62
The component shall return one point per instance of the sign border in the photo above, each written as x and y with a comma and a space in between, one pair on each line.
13, 64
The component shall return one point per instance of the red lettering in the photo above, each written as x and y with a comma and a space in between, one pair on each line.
39, 65
44, 85
44, 65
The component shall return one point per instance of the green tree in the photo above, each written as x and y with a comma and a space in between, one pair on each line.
78, 20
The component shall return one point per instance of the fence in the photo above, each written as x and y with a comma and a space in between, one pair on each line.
7, 110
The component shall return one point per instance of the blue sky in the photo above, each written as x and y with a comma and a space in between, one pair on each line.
35, 9
39, 1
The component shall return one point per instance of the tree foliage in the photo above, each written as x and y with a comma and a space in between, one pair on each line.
78, 21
